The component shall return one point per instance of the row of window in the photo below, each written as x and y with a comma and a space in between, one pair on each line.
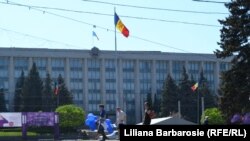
110, 63
128, 66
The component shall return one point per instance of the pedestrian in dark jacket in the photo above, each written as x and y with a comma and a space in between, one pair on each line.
147, 112
101, 122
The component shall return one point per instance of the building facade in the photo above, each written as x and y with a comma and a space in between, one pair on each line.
122, 78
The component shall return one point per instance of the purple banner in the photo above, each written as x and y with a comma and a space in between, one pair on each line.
40, 118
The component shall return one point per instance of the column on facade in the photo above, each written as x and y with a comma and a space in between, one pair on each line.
138, 100
170, 68
153, 80
67, 73
85, 84
49, 69
217, 76
102, 83
186, 67
202, 67
81, 61
30, 63
117, 97
120, 84
11, 84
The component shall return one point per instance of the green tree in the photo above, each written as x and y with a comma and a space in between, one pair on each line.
32, 91
18, 92
64, 95
2, 101
149, 98
188, 98
235, 35
70, 116
169, 100
156, 105
49, 99
233, 100
214, 116
204, 91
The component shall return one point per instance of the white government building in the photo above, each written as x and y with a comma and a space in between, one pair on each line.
92, 75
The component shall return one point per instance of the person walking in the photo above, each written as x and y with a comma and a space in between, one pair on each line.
120, 119
120, 116
147, 118
101, 122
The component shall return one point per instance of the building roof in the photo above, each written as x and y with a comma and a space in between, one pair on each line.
74, 53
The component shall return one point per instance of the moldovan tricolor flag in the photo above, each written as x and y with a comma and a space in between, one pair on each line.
120, 26
195, 86
56, 88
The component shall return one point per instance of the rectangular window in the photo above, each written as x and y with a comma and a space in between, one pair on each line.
177, 70
57, 62
93, 63
57, 65
161, 73
209, 66
194, 70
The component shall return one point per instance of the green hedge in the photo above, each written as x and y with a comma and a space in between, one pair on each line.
70, 116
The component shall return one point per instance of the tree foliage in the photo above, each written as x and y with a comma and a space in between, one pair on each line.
64, 95
149, 98
169, 101
204, 91
188, 98
214, 116
235, 37
18, 92
49, 99
70, 116
32, 91
156, 104
234, 99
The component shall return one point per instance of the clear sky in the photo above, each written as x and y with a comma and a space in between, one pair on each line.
168, 36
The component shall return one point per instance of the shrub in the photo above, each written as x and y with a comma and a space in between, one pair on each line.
214, 116
70, 116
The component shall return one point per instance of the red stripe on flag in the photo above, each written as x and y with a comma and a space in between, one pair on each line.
56, 89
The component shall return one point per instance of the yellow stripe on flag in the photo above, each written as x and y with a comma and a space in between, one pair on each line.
195, 86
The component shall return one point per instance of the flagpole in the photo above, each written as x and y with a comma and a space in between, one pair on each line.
116, 65
56, 93
115, 37
202, 105
57, 100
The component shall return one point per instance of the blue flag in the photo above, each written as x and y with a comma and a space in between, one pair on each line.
95, 35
